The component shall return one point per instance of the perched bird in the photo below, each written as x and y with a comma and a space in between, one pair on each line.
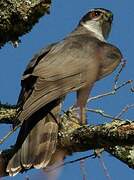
73, 64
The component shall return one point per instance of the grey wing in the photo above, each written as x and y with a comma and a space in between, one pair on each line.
36, 59
28, 79
63, 69
111, 56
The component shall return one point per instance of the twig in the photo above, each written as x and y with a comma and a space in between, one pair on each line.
76, 160
115, 87
69, 162
124, 110
83, 169
101, 95
104, 167
123, 84
113, 92
9, 134
123, 64
102, 113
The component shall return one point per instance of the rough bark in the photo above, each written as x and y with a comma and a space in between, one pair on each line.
18, 17
116, 137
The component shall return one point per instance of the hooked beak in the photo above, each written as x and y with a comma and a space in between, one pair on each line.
108, 17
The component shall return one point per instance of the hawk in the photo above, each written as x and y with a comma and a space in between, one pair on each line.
72, 64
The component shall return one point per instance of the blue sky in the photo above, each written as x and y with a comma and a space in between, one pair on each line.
63, 18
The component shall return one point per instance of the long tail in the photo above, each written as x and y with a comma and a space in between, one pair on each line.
38, 147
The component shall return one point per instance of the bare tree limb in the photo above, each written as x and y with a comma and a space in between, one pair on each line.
18, 17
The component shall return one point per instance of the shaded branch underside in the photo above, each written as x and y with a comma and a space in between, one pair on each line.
117, 137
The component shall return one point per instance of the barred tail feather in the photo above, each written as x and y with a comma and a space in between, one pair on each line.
37, 149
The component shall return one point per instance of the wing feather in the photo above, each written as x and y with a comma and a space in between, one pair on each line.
52, 91
65, 68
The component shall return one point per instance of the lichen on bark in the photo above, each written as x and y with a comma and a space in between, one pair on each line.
18, 17
116, 137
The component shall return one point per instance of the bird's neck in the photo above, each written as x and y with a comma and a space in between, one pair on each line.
86, 29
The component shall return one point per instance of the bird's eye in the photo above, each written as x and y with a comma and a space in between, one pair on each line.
95, 14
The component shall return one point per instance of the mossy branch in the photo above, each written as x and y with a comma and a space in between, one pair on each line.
18, 17
116, 137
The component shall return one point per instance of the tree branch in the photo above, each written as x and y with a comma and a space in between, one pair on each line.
81, 138
18, 17
116, 137
7, 113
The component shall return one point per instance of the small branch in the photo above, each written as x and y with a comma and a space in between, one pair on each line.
124, 110
69, 162
88, 137
102, 113
123, 64
113, 92
102, 163
116, 87
9, 134
83, 169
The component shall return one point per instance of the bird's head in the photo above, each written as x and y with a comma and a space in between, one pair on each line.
98, 21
